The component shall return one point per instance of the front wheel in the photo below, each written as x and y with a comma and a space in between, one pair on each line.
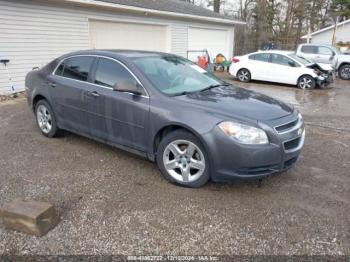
306, 82
344, 72
182, 159
244, 75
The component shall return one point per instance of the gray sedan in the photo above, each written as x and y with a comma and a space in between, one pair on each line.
163, 107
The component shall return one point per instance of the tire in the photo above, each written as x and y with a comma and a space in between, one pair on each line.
306, 82
344, 72
45, 119
189, 169
244, 75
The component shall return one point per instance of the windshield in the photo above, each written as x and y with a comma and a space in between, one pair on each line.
174, 75
302, 60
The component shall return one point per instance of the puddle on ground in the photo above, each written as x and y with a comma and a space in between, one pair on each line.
330, 99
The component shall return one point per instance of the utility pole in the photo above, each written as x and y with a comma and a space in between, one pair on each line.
334, 37
308, 38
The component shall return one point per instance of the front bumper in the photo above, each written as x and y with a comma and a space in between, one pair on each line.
324, 79
230, 160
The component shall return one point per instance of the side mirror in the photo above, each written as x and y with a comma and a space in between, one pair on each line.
128, 88
332, 56
291, 63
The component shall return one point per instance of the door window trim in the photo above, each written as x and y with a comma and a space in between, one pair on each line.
285, 56
326, 47
106, 57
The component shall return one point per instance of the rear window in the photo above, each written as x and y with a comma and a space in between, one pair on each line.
309, 49
264, 57
75, 68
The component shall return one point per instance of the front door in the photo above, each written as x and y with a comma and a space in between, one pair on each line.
282, 69
324, 55
117, 117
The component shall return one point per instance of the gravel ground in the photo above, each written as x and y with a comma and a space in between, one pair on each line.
112, 202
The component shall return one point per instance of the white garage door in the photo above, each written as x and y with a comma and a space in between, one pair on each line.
215, 41
115, 35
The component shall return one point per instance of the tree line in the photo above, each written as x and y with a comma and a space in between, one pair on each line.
282, 22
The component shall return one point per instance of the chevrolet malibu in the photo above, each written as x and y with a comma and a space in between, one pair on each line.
195, 126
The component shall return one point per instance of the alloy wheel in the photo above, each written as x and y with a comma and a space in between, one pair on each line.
345, 73
184, 161
243, 76
305, 83
44, 119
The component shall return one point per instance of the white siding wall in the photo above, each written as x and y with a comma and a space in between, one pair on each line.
32, 34
343, 34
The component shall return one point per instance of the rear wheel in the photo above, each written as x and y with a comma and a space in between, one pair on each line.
306, 82
244, 75
45, 119
344, 72
182, 159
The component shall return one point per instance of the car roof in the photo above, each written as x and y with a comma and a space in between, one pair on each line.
281, 52
117, 53
311, 44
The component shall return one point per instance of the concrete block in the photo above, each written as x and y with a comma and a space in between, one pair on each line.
31, 217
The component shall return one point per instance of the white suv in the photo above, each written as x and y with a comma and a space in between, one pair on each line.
328, 54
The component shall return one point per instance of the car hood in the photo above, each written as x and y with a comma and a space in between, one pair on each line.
238, 102
326, 67
321, 66
344, 57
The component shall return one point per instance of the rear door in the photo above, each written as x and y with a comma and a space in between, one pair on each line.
309, 52
114, 116
257, 65
67, 86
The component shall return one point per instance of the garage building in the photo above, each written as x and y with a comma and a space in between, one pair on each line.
33, 32
325, 35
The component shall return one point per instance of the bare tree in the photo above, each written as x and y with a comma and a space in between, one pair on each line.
216, 4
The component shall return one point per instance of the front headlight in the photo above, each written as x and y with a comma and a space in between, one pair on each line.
300, 117
244, 134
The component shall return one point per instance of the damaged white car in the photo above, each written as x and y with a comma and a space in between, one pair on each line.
281, 67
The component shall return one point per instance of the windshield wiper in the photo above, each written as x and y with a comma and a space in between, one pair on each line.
206, 88
182, 93
213, 86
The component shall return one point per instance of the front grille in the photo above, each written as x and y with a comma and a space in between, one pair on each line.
258, 170
286, 126
292, 144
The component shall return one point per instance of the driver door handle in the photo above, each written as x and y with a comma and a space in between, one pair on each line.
93, 94
52, 84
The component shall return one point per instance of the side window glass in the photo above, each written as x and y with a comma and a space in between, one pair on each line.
109, 73
251, 57
59, 69
322, 50
308, 49
281, 60
264, 57
77, 67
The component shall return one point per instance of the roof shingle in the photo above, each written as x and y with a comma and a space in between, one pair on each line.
175, 6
